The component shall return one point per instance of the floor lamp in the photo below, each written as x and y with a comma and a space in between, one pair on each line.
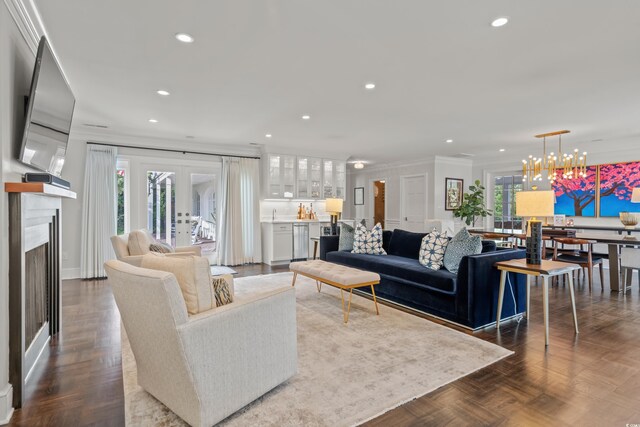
534, 204
334, 208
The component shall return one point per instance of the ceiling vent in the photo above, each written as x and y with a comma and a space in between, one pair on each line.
91, 125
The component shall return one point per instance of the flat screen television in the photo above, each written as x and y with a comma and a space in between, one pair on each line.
48, 115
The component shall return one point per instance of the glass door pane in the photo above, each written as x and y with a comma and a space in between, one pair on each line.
161, 205
315, 175
303, 178
328, 179
204, 213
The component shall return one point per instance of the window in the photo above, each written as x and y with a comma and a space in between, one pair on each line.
504, 211
122, 194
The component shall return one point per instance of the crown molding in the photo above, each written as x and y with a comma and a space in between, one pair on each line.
27, 18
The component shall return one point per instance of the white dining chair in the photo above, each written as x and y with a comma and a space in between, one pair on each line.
629, 261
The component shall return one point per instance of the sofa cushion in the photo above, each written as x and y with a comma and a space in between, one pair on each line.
222, 289
461, 245
139, 242
193, 274
432, 250
405, 243
368, 242
408, 270
346, 237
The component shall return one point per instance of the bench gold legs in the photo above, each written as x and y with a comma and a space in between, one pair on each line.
295, 275
319, 285
375, 301
345, 313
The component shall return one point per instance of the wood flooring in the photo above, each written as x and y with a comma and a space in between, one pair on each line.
592, 379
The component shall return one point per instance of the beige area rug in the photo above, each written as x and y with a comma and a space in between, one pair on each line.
347, 374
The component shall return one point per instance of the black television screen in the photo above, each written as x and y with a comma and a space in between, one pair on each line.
49, 113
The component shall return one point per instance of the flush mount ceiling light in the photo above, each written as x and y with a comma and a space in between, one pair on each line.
370, 86
499, 22
153, 121
268, 135
306, 117
502, 150
449, 141
358, 165
185, 38
163, 92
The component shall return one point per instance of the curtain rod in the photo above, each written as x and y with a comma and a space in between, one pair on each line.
171, 150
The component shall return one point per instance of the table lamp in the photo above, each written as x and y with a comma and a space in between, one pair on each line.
534, 204
334, 208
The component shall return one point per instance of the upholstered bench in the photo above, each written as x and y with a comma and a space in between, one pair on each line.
337, 275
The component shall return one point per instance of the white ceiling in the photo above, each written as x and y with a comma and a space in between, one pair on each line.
441, 72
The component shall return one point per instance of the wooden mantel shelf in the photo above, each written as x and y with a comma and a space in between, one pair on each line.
38, 187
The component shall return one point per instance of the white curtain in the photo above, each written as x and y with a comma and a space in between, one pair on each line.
239, 224
98, 210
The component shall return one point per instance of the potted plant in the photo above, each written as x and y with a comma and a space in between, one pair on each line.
472, 206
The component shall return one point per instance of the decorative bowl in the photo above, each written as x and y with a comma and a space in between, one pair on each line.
629, 219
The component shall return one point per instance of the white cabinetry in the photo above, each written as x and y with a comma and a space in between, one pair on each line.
277, 242
281, 182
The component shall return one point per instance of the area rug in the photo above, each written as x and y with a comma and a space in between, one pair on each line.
347, 374
219, 270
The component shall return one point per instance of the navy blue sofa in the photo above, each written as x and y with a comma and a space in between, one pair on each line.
468, 298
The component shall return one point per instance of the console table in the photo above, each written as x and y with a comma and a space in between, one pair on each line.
545, 270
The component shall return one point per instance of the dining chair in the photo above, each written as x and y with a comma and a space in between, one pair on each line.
629, 261
581, 256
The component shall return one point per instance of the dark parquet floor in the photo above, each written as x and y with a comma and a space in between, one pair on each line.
592, 379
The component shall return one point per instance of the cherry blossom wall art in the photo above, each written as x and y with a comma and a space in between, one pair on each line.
576, 196
617, 182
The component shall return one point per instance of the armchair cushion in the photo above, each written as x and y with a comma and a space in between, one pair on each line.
139, 242
194, 277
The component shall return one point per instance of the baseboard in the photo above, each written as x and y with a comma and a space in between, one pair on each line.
6, 408
70, 273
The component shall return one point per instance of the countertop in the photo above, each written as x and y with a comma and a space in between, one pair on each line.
304, 221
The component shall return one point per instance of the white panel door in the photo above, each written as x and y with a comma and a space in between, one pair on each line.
413, 202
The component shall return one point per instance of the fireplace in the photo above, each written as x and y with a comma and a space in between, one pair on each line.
34, 276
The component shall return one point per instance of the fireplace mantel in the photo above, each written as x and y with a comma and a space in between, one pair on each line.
35, 246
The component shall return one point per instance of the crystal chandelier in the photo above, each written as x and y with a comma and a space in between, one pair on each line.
569, 166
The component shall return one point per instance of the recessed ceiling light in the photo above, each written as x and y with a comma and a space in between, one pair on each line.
370, 86
499, 22
502, 150
153, 121
185, 38
306, 117
268, 135
162, 92
449, 141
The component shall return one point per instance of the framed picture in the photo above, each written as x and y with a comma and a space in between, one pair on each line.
576, 196
358, 196
559, 220
617, 182
454, 189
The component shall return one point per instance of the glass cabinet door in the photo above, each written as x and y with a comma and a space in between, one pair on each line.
303, 177
340, 182
274, 176
288, 164
328, 178
315, 178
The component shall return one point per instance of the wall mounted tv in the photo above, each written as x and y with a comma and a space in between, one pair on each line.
48, 117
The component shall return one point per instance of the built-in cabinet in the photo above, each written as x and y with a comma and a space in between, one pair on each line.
304, 177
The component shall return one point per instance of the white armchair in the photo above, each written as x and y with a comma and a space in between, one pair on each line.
204, 367
133, 255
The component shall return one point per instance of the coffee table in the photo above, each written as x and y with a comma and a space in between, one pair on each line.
339, 276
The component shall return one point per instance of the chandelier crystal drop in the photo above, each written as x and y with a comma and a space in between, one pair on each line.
554, 165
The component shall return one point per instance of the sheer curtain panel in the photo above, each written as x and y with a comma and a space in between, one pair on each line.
98, 210
239, 233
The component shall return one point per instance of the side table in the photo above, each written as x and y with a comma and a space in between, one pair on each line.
545, 270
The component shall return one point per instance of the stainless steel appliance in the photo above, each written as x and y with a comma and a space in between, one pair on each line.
300, 241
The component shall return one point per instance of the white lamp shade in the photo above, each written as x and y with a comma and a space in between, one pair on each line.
635, 196
333, 206
534, 203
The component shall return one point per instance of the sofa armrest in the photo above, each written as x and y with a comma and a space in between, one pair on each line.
195, 250
239, 351
328, 244
135, 260
479, 284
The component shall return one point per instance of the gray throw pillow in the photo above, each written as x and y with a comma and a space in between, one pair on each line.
347, 234
461, 245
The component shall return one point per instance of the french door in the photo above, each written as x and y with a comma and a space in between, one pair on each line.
179, 204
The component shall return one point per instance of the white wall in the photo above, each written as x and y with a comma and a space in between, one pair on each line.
436, 169
17, 58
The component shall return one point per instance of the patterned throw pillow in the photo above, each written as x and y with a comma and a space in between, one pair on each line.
432, 249
161, 247
221, 290
347, 235
462, 244
368, 242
